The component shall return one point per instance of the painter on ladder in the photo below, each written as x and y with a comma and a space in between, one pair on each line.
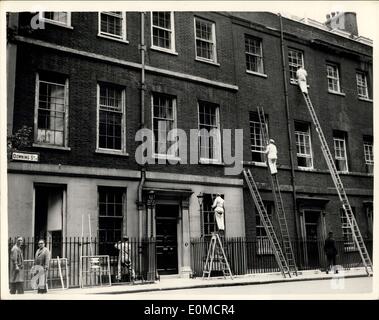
301, 75
218, 206
272, 156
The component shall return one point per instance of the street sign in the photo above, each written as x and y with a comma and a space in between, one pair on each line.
25, 156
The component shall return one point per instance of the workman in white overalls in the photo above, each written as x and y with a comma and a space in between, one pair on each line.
301, 75
218, 206
272, 156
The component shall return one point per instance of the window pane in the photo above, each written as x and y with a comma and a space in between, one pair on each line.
204, 39
163, 122
111, 24
51, 110
253, 51
295, 59
110, 117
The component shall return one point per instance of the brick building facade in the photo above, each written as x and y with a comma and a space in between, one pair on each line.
81, 81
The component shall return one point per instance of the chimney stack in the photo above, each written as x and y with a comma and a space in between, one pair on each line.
345, 21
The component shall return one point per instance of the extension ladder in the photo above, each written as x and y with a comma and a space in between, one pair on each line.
278, 253
279, 207
340, 190
216, 250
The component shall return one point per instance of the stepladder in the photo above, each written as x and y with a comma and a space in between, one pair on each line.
216, 257
355, 232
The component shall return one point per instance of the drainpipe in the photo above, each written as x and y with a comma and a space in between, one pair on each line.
142, 48
289, 130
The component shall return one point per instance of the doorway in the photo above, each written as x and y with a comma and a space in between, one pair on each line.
48, 216
312, 237
167, 238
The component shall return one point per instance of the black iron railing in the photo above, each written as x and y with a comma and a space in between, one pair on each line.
248, 256
131, 265
137, 263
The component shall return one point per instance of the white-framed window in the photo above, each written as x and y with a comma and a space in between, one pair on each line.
111, 118
205, 40
209, 132
163, 31
60, 18
254, 54
362, 85
111, 206
51, 110
333, 76
303, 145
164, 120
208, 219
368, 149
112, 24
340, 154
295, 60
348, 241
257, 144
263, 242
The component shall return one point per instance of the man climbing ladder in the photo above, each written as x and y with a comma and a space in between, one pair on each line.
357, 237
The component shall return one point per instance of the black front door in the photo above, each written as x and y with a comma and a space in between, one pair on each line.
167, 238
311, 229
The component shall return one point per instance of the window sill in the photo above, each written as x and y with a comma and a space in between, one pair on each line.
155, 48
49, 146
207, 61
263, 75
112, 152
255, 163
166, 157
211, 161
337, 93
57, 23
306, 169
112, 38
365, 99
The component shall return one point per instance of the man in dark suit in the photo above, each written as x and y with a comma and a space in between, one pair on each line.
331, 252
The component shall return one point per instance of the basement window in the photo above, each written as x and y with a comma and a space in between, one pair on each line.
348, 241
263, 242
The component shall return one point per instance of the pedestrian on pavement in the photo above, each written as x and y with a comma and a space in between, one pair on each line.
272, 156
42, 259
218, 206
124, 251
301, 75
331, 252
16, 274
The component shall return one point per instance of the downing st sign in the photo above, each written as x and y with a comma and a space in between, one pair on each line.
25, 156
